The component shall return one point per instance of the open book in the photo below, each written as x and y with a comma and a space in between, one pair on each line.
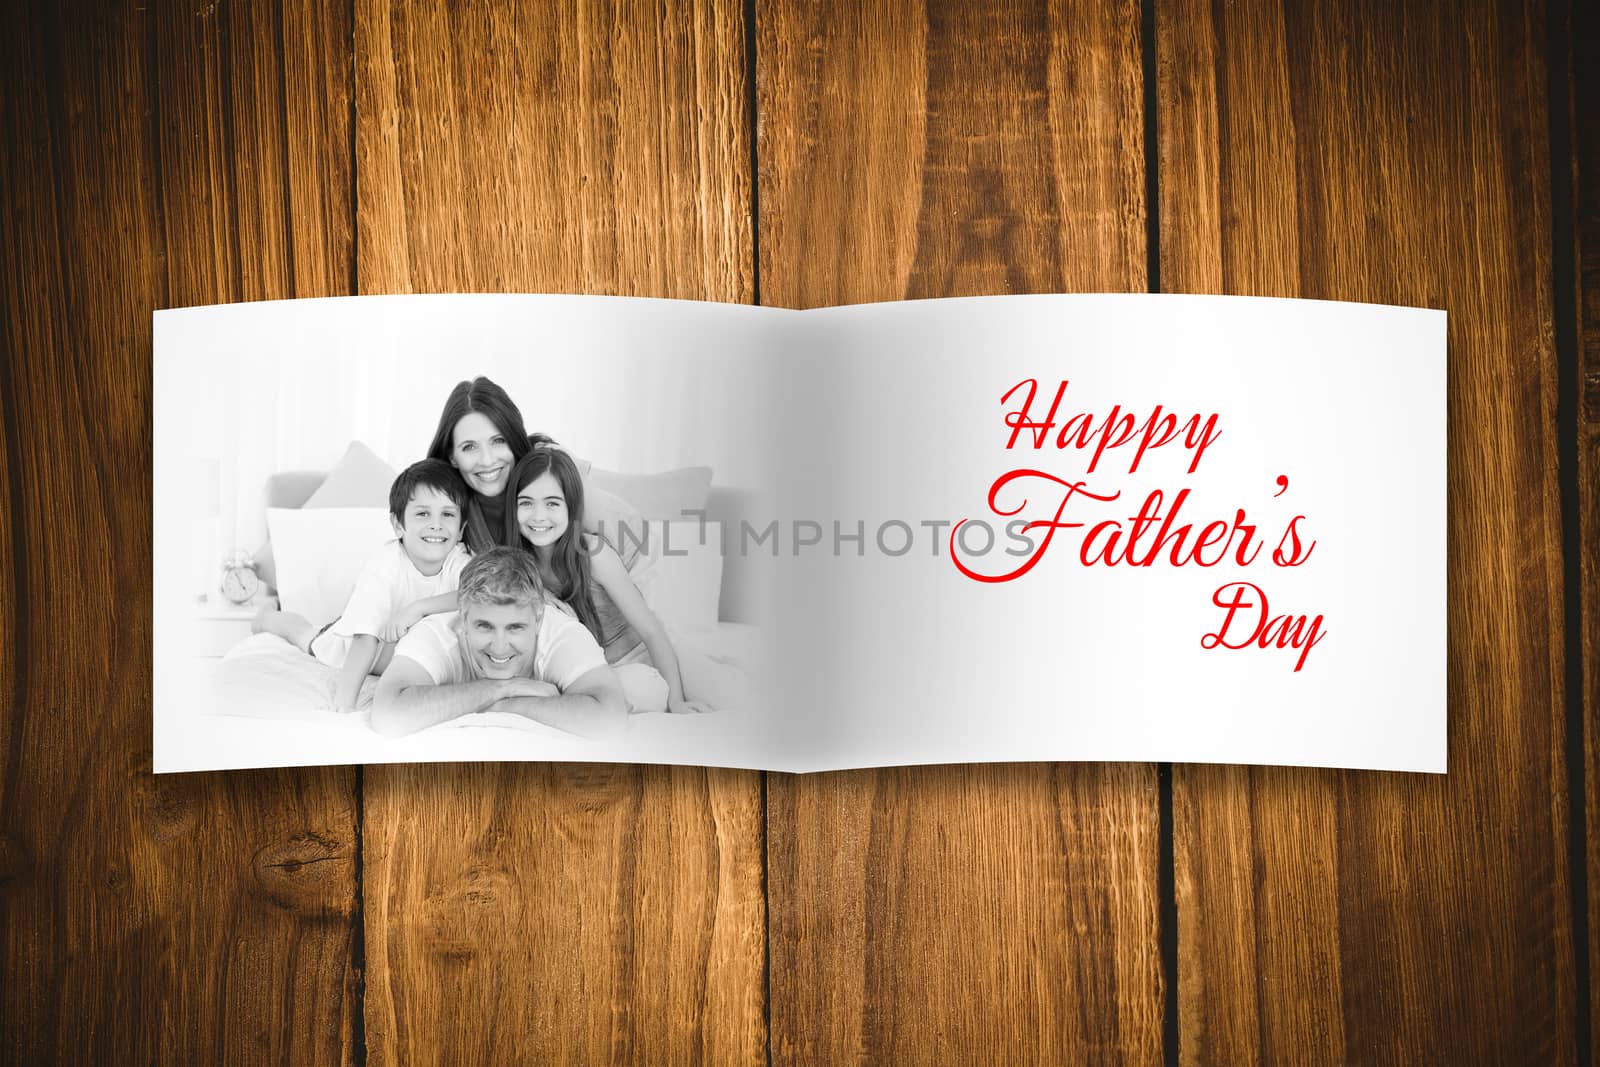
1100, 527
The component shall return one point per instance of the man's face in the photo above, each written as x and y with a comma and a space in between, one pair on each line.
499, 640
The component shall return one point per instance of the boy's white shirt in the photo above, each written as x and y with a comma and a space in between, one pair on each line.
388, 582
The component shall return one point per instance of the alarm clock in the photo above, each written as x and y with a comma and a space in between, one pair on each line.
240, 582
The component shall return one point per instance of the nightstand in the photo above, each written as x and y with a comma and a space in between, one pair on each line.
218, 624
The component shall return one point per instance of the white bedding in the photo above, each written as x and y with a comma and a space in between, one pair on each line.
270, 705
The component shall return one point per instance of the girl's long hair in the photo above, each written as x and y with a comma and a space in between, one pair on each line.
568, 558
483, 397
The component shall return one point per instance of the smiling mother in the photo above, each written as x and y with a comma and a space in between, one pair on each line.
482, 435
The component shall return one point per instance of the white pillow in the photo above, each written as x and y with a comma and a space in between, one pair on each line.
320, 553
682, 579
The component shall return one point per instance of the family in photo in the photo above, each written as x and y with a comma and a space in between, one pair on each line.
509, 586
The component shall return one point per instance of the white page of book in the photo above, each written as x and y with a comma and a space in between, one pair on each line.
893, 659
1195, 529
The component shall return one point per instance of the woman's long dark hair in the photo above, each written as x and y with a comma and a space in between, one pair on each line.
568, 558
482, 397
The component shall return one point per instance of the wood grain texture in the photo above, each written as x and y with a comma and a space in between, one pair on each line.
1394, 154
1584, 28
949, 151
570, 147
161, 155
567, 913
187, 918
957, 914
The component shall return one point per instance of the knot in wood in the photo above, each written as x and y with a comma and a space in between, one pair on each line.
309, 873
168, 805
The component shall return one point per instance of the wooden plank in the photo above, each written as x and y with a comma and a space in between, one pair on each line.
958, 914
254, 127
1585, 114
1394, 154
568, 912
187, 918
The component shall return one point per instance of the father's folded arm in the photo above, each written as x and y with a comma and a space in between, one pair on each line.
408, 700
593, 706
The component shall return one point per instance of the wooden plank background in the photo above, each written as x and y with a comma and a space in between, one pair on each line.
535, 911
159, 155
1361, 152
959, 912
1578, 281
153, 157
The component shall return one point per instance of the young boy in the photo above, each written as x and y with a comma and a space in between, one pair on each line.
411, 577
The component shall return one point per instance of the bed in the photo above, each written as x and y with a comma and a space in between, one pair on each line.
266, 703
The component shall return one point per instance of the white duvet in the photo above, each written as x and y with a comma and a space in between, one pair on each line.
266, 677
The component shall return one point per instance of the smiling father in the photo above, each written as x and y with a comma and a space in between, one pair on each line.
502, 651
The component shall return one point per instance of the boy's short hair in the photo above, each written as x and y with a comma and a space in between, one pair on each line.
501, 576
433, 473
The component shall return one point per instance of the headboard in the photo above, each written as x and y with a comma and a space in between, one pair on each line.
724, 505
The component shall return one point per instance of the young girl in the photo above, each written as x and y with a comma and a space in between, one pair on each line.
587, 573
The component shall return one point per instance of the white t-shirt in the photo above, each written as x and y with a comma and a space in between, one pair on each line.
564, 650
387, 583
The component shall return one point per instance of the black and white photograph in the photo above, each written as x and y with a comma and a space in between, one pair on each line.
454, 528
